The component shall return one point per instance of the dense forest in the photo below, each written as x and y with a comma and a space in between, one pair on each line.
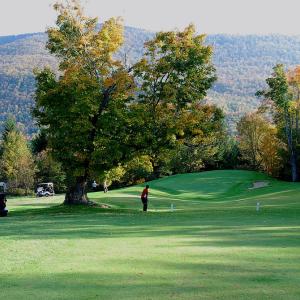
242, 62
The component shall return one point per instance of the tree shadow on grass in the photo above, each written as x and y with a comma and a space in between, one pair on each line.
90, 286
201, 228
157, 279
36, 204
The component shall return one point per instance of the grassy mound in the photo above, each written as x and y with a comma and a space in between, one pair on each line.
205, 190
213, 246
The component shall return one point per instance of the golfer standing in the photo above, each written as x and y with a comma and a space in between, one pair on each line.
144, 198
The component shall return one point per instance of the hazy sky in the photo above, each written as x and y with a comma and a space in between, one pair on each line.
210, 16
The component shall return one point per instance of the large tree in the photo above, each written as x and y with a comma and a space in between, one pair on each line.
174, 75
80, 110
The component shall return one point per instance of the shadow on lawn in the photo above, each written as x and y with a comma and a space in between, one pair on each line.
93, 286
197, 228
143, 281
39, 204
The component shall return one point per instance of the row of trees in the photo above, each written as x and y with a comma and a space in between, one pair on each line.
267, 141
26, 163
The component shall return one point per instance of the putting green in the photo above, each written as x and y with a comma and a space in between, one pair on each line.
215, 245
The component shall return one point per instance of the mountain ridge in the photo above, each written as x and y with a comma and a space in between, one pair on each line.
242, 62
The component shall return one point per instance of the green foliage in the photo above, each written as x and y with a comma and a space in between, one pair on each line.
9, 126
114, 175
230, 156
176, 69
201, 138
15, 191
49, 170
17, 166
94, 121
39, 142
174, 74
259, 144
278, 88
138, 170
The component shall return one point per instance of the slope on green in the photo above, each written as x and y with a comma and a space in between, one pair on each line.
203, 190
215, 245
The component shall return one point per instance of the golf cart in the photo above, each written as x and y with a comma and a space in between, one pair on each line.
45, 190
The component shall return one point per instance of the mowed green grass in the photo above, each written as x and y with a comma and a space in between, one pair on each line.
215, 245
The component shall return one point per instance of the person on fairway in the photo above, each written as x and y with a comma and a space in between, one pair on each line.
94, 186
144, 197
105, 187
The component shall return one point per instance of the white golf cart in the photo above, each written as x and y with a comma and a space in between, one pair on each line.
3, 187
45, 190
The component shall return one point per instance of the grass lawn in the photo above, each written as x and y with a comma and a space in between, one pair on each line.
215, 245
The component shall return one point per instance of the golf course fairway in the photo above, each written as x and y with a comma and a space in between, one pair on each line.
214, 244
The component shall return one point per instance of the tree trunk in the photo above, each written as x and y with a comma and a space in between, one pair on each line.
297, 127
294, 167
156, 169
292, 150
76, 194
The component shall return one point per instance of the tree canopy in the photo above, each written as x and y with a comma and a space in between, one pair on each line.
78, 108
175, 74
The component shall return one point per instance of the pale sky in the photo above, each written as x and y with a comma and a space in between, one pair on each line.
209, 16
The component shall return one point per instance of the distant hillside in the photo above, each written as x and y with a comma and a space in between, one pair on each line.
242, 62
20, 54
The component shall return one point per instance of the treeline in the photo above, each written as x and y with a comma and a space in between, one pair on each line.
26, 163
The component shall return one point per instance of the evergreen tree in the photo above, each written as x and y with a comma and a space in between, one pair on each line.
9, 126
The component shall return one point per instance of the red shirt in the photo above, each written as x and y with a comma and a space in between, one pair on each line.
144, 193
